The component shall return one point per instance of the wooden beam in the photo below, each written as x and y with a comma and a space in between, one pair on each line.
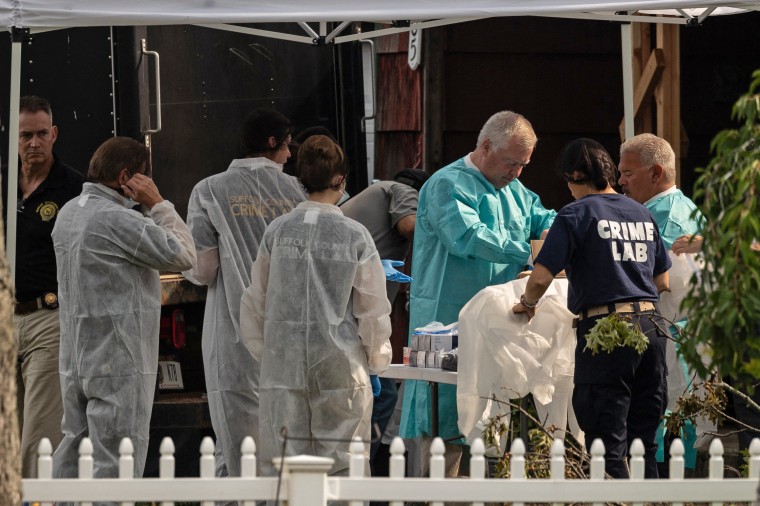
668, 92
650, 77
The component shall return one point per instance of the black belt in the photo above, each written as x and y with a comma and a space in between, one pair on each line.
48, 300
620, 307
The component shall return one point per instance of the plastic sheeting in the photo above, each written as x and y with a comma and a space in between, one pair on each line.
680, 273
507, 356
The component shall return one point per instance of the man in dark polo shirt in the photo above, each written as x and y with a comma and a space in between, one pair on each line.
388, 209
44, 186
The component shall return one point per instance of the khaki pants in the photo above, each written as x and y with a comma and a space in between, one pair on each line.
418, 464
39, 403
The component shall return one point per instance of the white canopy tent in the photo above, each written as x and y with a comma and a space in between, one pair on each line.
42, 15
68, 13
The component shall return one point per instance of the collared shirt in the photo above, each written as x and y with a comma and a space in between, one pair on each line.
380, 207
468, 161
35, 257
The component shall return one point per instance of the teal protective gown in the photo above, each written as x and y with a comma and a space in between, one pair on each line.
468, 236
673, 213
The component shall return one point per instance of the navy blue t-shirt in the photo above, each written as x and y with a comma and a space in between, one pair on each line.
610, 248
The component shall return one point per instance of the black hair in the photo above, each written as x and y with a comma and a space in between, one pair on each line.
585, 161
314, 130
259, 126
33, 103
412, 177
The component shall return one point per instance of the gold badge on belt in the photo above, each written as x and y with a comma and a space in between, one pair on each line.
50, 299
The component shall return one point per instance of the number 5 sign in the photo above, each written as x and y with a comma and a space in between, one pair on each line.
415, 48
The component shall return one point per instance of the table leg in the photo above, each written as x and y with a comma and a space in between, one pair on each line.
433, 408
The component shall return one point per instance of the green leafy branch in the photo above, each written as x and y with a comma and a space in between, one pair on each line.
613, 331
724, 304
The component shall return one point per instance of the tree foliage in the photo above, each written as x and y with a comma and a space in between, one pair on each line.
724, 304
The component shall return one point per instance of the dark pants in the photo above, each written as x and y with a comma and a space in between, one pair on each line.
746, 414
382, 410
622, 395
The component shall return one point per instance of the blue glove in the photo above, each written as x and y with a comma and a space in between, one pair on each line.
376, 387
392, 274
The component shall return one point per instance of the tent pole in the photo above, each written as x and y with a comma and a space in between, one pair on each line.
627, 50
11, 211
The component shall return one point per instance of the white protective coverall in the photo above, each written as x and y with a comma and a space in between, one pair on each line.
316, 317
108, 259
227, 215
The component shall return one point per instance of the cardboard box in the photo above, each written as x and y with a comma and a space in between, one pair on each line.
443, 342
436, 337
434, 358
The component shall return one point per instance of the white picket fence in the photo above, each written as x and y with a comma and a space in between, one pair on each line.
305, 481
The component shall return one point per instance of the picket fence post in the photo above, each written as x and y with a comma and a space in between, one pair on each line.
45, 462
356, 463
754, 459
166, 463
517, 462
637, 459
85, 462
207, 463
126, 462
557, 462
477, 463
596, 471
637, 462
248, 462
716, 462
306, 478
437, 463
397, 465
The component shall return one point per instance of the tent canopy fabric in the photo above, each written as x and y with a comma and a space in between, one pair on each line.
80, 13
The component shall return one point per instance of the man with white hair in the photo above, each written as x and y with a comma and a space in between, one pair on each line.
474, 224
648, 175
